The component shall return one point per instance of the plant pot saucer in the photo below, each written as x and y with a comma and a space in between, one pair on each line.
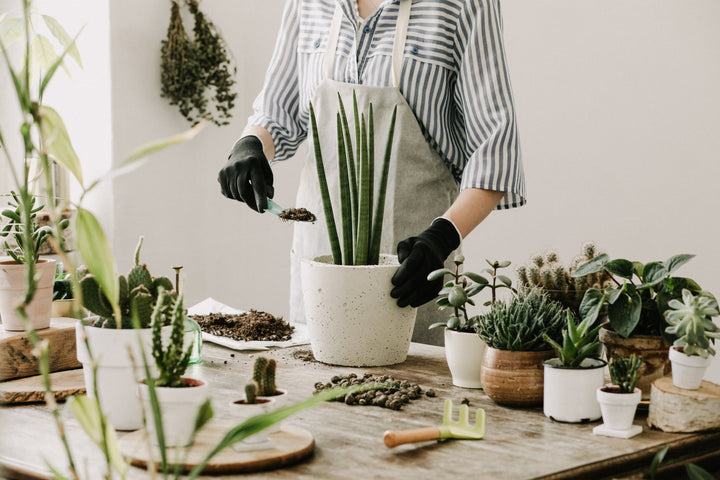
609, 432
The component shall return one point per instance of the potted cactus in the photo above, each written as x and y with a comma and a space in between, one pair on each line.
28, 237
515, 332
352, 319
572, 377
178, 397
464, 349
690, 321
619, 401
62, 300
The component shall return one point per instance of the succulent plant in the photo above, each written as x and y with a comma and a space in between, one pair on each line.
139, 294
578, 342
62, 286
690, 321
522, 323
548, 273
624, 371
263, 382
23, 252
171, 360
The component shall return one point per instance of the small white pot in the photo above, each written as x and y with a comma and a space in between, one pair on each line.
116, 379
352, 319
13, 283
62, 308
618, 409
569, 393
178, 406
464, 353
241, 411
688, 370
279, 400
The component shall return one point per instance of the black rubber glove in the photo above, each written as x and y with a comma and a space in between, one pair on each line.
418, 257
247, 176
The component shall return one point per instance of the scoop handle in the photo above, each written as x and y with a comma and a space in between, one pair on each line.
393, 438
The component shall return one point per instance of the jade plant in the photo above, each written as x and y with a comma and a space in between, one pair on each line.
139, 293
578, 341
690, 322
457, 291
263, 382
553, 277
624, 372
171, 360
522, 323
639, 295
361, 222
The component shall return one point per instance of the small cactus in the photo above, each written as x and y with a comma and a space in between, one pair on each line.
263, 381
624, 371
251, 391
171, 360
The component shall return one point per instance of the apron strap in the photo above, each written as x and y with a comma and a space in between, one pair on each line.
401, 28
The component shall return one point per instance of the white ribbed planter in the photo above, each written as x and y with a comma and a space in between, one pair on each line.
352, 319
618, 409
13, 284
116, 380
464, 353
688, 371
178, 406
569, 393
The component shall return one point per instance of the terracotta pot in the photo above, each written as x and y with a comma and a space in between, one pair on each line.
652, 348
352, 319
464, 353
514, 378
13, 283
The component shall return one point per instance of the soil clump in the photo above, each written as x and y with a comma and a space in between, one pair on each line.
249, 326
398, 394
298, 215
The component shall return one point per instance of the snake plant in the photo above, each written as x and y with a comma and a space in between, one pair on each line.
361, 221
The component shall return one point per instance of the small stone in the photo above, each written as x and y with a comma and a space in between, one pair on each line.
430, 393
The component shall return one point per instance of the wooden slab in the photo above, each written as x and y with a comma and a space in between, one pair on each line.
31, 389
17, 360
292, 444
674, 409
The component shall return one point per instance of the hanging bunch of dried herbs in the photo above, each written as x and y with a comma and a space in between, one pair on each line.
196, 73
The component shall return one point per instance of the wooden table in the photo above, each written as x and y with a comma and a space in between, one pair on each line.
518, 444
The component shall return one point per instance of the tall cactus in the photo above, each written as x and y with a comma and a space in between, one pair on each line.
263, 381
171, 360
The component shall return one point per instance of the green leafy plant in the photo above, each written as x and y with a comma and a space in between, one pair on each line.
138, 295
578, 342
624, 372
456, 293
25, 250
548, 273
522, 323
361, 224
690, 322
171, 360
196, 73
639, 294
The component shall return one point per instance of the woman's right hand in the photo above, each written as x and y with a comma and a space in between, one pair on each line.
247, 176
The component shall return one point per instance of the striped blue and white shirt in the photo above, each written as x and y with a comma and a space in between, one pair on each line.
454, 78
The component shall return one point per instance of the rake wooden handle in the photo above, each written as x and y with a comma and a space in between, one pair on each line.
394, 438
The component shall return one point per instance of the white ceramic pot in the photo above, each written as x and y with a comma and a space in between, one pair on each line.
62, 308
178, 406
116, 379
464, 354
352, 319
688, 370
241, 411
569, 393
279, 400
618, 409
13, 284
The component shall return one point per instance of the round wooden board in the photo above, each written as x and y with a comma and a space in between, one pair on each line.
292, 444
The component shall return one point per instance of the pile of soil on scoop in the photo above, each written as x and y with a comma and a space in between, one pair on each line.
249, 326
298, 214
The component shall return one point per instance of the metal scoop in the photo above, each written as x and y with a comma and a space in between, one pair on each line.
449, 428
274, 208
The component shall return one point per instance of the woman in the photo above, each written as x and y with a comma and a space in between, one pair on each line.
456, 153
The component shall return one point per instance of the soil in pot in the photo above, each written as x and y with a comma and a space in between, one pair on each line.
249, 326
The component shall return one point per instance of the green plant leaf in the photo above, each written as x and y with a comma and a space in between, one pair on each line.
624, 314
698, 473
440, 273
677, 261
87, 411
503, 263
57, 141
457, 296
592, 266
657, 460
42, 54
11, 30
620, 267
475, 277
97, 253
652, 274
504, 280
65, 40
591, 303
612, 294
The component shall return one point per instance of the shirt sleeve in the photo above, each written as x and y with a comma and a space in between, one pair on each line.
276, 107
484, 98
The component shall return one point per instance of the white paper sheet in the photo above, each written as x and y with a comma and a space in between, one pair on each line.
210, 305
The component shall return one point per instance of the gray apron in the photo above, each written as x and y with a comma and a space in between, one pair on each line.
420, 187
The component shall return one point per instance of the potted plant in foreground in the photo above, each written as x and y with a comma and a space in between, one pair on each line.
572, 378
514, 332
690, 321
179, 398
352, 319
619, 401
636, 302
463, 347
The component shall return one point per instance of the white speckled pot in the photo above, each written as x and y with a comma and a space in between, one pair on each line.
352, 319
